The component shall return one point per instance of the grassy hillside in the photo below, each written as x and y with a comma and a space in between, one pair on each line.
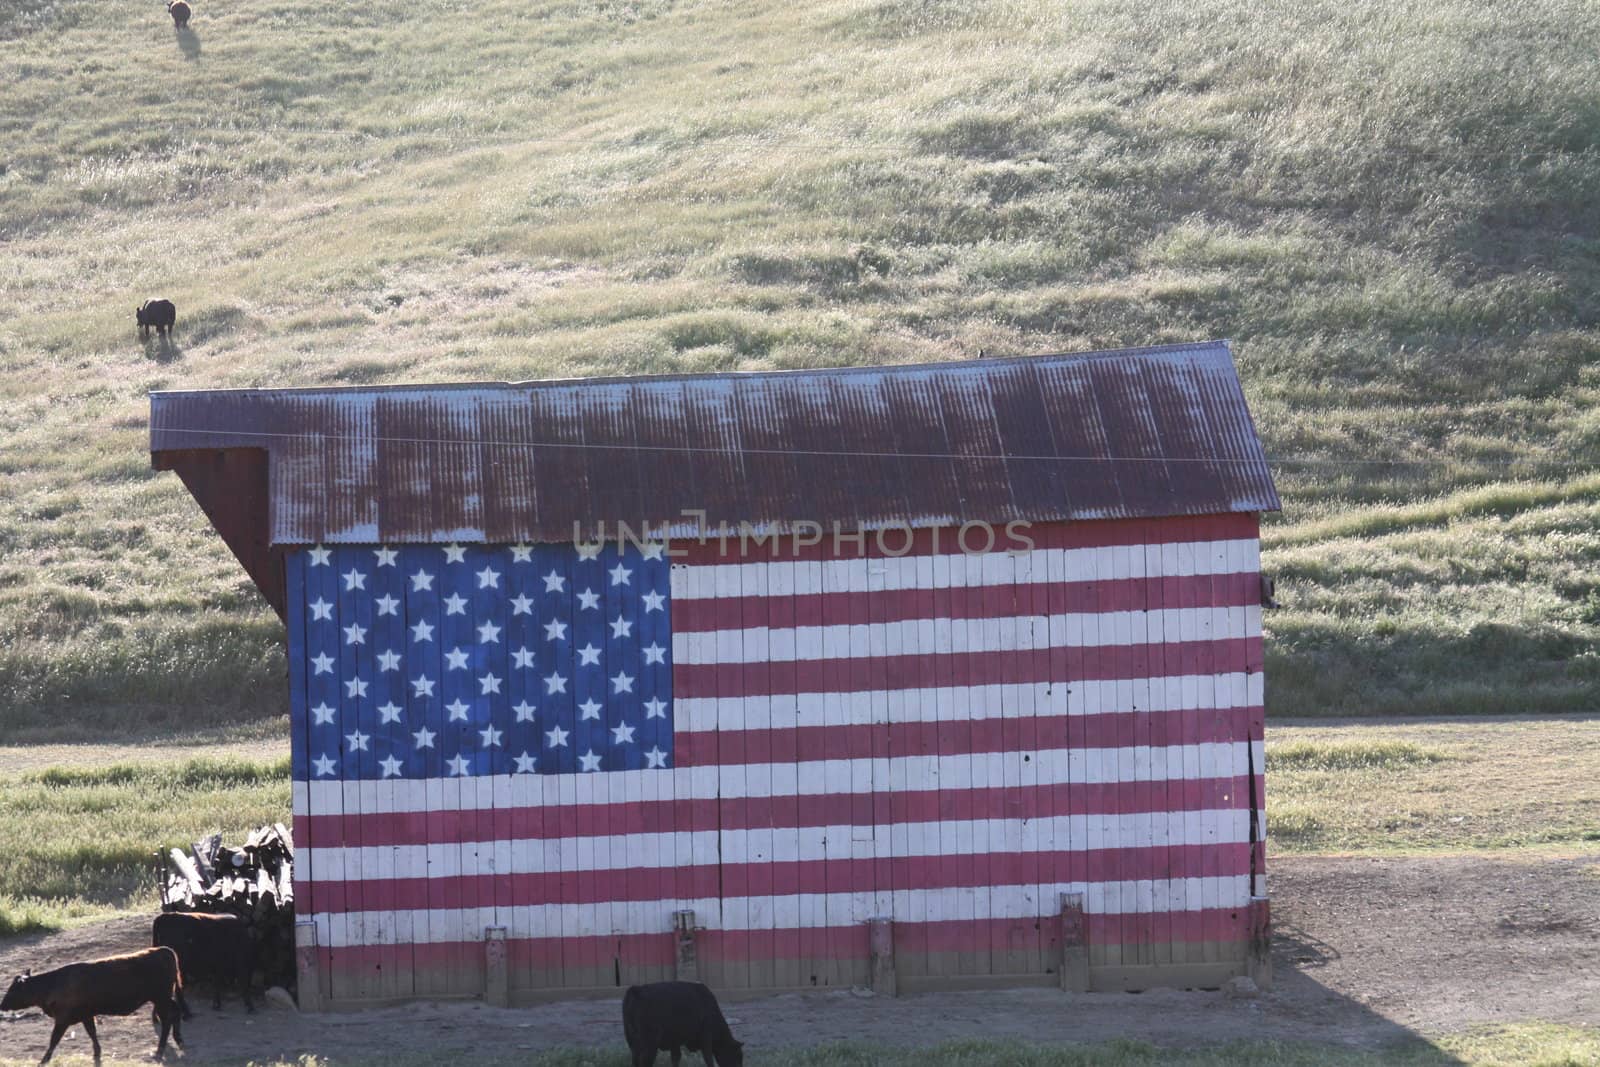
1393, 210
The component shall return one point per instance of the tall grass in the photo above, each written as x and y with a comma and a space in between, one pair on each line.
1394, 211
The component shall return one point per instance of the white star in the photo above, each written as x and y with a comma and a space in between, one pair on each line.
589, 599
389, 712
386, 556
323, 713
420, 581
354, 579
355, 687
590, 710
458, 765
423, 686
490, 683
355, 635
622, 627
589, 551
525, 763
654, 653
491, 737
389, 661
319, 556
324, 764
321, 609
557, 736
620, 575
455, 604
424, 737
589, 761
422, 631
555, 630
521, 553
522, 604
554, 582
488, 578
387, 605
555, 684
622, 734
622, 683
656, 757
458, 710
454, 553
655, 708
322, 664
522, 658
652, 601
391, 766
358, 741
488, 632
588, 655
525, 711
652, 549
457, 660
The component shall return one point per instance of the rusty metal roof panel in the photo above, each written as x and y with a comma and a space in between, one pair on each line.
1132, 433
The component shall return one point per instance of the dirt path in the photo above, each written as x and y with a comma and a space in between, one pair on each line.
1368, 950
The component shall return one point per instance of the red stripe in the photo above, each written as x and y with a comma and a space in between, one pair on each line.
977, 602
874, 740
1096, 534
1228, 925
864, 674
833, 809
818, 876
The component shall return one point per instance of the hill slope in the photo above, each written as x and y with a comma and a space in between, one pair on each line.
1394, 211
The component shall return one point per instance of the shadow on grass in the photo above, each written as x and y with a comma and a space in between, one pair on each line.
188, 43
162, 349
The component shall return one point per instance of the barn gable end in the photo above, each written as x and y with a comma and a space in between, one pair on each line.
962, 657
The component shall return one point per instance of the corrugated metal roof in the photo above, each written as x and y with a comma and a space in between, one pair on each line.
1131, 433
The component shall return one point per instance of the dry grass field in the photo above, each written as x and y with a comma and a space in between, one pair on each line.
1393, 210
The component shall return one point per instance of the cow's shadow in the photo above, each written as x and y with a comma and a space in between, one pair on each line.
188, 42
161, 348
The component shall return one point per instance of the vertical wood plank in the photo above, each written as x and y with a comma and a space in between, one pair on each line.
783, 808
422, 679
755, 722
732, 777
1150, 595
810, 752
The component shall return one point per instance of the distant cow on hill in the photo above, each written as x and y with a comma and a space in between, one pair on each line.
215, 948
673, 1016
161, 314
179, 12
120, 985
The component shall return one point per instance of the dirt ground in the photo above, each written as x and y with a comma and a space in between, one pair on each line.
1367, 951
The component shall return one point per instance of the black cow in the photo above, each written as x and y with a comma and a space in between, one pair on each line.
120, 985
219, 949
179, 12
673, 1016
158, 313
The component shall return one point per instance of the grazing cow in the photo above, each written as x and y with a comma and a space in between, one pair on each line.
216, 948
673, 1016
119, 985
179, 12
161, 314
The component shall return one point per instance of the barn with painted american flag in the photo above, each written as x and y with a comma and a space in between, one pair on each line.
910, 676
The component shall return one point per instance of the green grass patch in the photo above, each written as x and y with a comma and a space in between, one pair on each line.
76, 842
1348, 755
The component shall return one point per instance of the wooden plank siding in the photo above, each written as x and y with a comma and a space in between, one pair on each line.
947, 740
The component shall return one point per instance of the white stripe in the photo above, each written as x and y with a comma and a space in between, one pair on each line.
1059, 766
797, 910
1008, 633
751, 846
1041, 699
805, 577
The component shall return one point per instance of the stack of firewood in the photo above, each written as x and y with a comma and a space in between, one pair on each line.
255, 881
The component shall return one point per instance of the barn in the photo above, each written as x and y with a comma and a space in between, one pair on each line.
913, 677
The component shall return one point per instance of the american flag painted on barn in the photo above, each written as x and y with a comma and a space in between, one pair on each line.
575, 743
